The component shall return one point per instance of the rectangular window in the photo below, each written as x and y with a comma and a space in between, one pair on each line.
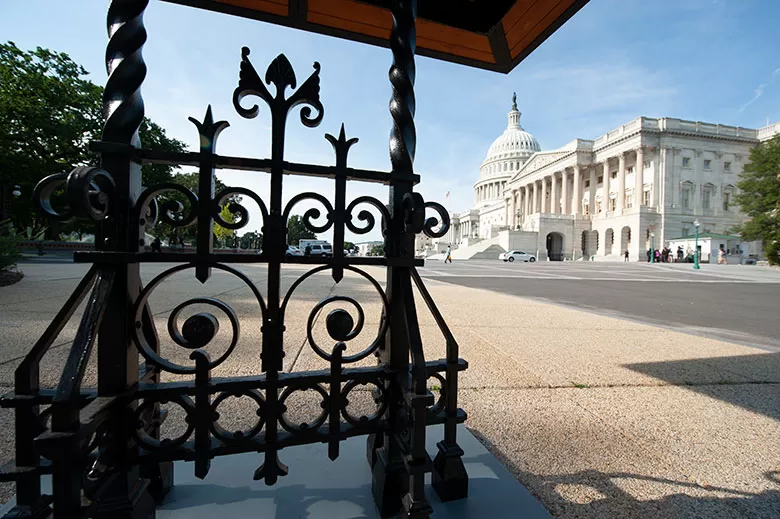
585, 209
587, 183
726, 200
727, 167
630, 170
686, 198
601, 179
686, 231
647, 164
707, 164
611, 204
705, 198
646, 198
686, 162
613, 174
629, 201
598, 206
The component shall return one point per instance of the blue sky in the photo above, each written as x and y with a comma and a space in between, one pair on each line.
709, 60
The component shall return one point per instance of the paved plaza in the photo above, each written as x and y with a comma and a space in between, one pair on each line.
573, 385
732, 302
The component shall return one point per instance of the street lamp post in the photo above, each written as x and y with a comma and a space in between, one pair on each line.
696, 225
652, 247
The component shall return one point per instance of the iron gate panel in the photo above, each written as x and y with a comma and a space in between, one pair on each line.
104, 443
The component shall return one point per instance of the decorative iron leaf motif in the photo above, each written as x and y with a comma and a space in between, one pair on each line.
249, 83
281, 74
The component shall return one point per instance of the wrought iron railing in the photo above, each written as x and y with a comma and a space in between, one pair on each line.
103, 445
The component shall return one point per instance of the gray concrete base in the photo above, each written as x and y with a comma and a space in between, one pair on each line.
317, 488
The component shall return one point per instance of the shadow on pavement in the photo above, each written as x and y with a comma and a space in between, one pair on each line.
755, 369
592, 494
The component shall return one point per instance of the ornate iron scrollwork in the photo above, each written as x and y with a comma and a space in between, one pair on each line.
87, 193
391, 402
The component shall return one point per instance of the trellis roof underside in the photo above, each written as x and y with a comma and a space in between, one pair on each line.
489, 34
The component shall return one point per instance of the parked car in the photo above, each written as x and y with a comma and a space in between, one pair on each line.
293, 251
321, 249
516, 255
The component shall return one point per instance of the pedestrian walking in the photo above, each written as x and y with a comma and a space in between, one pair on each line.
307, 250
156, 245
679, 253
448, 255
722, 259
657, 256
625, 255
649, 254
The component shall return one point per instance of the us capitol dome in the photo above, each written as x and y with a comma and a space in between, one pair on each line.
505, 157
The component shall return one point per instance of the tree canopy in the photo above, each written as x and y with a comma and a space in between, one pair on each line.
759, 198
49, 112
297, 231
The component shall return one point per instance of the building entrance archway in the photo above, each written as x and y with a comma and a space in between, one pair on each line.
609, 241
555, 246
625, 239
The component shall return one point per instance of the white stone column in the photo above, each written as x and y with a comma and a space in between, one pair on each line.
544, 208
527, 202
512, 207
639, 173
565, 192
620, 203
593, 185
576, 203
534, 205
605, 186
555, 199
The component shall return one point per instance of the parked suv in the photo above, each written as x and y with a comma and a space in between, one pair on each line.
321, 249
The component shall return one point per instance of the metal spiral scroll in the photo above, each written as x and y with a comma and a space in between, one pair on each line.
312, 213
198, 330
124, 108
403, 137
365, 216
239, 212
87, 194
340, 324
149, 210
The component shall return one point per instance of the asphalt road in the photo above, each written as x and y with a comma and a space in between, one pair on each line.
735, 303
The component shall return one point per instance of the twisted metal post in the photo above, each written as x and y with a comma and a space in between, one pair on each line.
118, 369
397, 483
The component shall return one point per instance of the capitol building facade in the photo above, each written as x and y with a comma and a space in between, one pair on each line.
642, 184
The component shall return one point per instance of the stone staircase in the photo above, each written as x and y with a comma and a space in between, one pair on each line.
485, 249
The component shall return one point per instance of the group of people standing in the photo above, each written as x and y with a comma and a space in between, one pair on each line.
667, 255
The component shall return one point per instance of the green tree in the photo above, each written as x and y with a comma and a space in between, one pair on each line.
49, 113
349, 246
377, 250
759, 198
296, 231
225, 237
251, 240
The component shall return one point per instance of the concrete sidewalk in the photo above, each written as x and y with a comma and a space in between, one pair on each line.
598, 417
